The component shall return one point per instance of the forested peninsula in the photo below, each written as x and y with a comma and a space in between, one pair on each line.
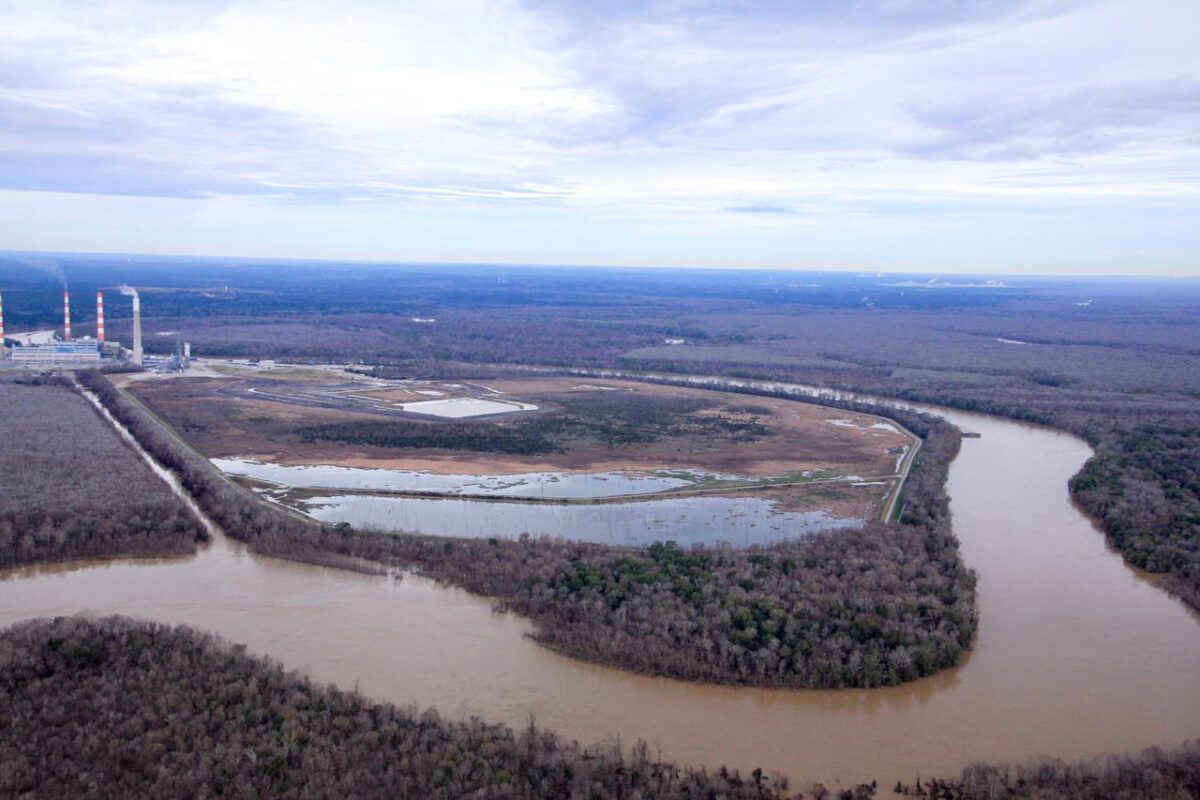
883, 605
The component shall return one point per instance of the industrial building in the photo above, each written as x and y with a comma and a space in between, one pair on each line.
46, 349
75, 353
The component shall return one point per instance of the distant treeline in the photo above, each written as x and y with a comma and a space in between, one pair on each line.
882, 605
103, 708
73, 488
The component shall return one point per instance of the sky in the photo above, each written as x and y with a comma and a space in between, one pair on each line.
1052, 136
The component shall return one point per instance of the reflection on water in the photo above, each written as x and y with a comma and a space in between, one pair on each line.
697, 520
1076, 654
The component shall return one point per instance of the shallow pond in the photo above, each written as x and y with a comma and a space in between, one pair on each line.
463, 407
740, 522
612, 483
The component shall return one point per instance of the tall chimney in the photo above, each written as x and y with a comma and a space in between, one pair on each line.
3, 352
137, 329
100, 316
66, 315
137, 323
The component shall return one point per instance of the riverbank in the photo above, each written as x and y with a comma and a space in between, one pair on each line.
1064, 622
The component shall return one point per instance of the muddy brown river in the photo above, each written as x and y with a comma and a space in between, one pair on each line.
1077, 654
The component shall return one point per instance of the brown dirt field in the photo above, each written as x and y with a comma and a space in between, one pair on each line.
802, 438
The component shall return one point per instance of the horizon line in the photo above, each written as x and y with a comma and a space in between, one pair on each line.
630, 267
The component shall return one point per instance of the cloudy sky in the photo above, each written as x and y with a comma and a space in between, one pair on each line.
1049, 136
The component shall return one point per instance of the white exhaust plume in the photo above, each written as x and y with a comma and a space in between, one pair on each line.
129, 291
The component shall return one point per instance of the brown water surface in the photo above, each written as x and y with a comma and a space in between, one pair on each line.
1076, 655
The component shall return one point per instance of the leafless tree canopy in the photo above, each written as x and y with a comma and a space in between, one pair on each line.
1153, 775
72, 488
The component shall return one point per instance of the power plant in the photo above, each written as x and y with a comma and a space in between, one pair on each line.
47, 349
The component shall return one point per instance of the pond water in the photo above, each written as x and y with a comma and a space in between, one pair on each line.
462, 407
740, 522
611, 483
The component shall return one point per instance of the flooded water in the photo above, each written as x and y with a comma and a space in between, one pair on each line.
696, 520
1076, 655
739, 521
612, 483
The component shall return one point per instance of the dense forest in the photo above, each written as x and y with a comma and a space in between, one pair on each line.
101, 708
1152, 775
885, 604
73, 488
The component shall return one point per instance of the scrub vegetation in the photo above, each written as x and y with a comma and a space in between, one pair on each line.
72, 488
883, 605
607, 419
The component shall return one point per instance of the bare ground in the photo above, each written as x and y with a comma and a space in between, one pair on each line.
801, 436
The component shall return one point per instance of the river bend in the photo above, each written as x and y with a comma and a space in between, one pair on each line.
1076, 655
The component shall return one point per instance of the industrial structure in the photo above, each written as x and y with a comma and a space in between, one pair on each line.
83, 352
129, 291
46, 349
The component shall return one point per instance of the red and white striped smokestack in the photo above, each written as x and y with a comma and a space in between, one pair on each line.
66, 315
100, 316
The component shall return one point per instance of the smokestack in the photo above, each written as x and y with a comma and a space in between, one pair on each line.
3, 352
137, 323
137, 329
100, 316
66, 315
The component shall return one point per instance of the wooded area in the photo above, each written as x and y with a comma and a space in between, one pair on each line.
72, 488
1152, 775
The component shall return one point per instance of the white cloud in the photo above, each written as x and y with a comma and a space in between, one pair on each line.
669, 111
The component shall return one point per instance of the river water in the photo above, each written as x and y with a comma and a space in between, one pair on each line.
1077, 654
